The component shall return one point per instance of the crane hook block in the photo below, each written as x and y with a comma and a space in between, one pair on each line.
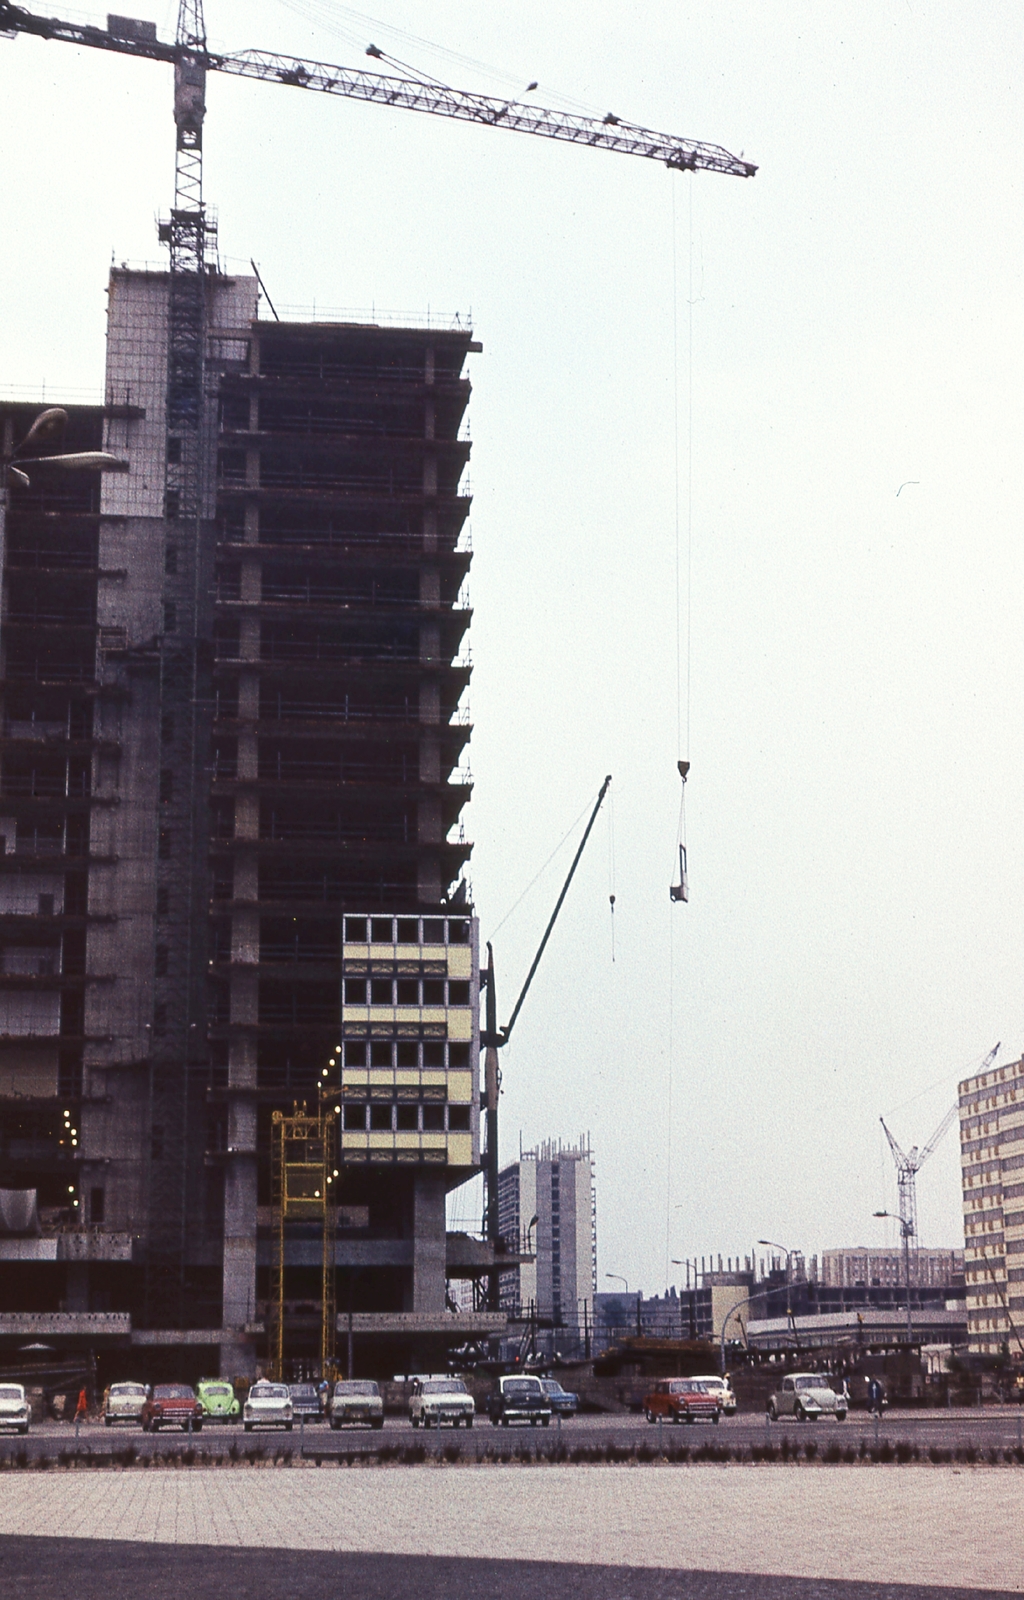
684, 768
681, 890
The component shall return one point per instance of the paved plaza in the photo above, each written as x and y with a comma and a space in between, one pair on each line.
457, 1532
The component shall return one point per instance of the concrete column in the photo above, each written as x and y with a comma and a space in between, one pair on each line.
428, 1244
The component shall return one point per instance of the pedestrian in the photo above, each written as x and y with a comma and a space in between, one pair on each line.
82, 1406
876, 1397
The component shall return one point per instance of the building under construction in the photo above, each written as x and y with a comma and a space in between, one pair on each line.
232, 863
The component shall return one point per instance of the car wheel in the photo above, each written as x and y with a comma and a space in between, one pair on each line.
197, 1427
335, 1425
504, 1422
840, 1416
715, 1419
108, 1421
378, 1422
799, 1413
469, 1422
248, 1427
546, 1421
415, 1421
650, 1416
287, 1427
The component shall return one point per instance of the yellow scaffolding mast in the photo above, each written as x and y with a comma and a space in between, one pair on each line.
303, 1174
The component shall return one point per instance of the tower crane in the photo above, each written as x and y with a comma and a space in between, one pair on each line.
909, 1163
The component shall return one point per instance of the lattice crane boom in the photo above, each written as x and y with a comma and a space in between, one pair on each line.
408, 94
909, 1163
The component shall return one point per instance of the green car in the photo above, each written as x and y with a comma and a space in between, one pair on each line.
217, 1398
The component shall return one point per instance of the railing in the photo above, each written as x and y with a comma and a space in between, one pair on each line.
297, 951
43, 786
337, 711
339, 771
77, 618
297, 832
281, 650
49, 560
311, 593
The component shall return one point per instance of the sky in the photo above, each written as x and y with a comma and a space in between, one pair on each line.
747, 486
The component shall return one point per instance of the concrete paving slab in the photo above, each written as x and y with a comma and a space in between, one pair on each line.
876, 1525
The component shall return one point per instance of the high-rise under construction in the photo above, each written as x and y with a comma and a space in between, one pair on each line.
232, 869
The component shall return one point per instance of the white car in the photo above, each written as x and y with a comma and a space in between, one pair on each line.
268, 1405
14, 1408
124, 1403
356, 1400
437, 1400
723, 1389
807, 1396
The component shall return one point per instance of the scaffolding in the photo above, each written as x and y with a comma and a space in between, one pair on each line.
304, 1149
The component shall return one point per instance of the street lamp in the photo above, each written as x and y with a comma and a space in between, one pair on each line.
618, 1279
907, 1230
773, 1244
758, 1294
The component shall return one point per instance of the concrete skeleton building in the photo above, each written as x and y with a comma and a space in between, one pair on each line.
992, 1165
547, 1208
863, 1267
231, 850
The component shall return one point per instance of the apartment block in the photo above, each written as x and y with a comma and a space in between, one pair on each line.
861, 1267
992, 1164
547, 1207
233, 867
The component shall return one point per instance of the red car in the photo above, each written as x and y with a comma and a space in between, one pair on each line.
174, 1405
681, 1400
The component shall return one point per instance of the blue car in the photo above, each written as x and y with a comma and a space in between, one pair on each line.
562, 1403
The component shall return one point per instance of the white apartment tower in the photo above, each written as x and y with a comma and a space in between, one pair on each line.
992, 1161
546, 1206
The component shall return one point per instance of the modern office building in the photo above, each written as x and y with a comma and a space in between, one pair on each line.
992, 1163
233, 746
547, 1207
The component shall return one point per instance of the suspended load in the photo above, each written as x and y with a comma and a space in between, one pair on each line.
681, 890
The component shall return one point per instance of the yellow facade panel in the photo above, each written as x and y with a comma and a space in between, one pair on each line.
460, 1087
460, 1149
460, 1023
460, 961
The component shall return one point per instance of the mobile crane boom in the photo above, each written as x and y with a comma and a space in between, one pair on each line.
126, 37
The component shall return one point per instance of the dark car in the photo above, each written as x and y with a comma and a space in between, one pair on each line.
562, 1401
519, 1400
306, 1405
172, 1405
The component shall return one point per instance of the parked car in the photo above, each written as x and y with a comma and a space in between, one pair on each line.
14, 1408
124, 1403
722, 1388
267, 1405
356, 1400
681, 1400
218, 1400
807, 1396
437, 1400
519, 1400
562, 1401
306, 1406
174, 1405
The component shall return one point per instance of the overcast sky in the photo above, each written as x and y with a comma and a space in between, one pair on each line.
849, 325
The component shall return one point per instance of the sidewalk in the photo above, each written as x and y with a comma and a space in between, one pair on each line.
889, 1526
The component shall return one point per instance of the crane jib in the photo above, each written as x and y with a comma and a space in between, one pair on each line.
612, 134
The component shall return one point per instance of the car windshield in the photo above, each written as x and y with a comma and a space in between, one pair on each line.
445, 1386
355, 1386
10, 1391
127, 1388
269, 1391
523, 1386
302, 1391
551, 1386
687, 1386
218, 1390
813, 1381
173, 1391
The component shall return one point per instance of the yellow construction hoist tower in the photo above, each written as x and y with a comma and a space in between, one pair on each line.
304, 1150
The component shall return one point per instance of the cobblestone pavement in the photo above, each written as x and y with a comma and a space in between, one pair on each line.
880, 1526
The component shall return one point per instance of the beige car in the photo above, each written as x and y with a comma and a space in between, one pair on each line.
807, 1396
723, 1389
124, 1403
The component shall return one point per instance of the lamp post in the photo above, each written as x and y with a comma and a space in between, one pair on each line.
907, 1229
773, 1244
625, 1282
759, 1294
